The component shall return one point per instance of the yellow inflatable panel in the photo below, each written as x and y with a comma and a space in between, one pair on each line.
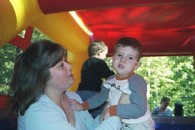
76, 60
17, 15
61, 27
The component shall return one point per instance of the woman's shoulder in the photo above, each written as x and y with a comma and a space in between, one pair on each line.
42, 103
44, 106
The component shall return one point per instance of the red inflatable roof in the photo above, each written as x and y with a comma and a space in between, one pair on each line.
165, 27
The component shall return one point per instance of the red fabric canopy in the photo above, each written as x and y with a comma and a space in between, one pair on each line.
165, 27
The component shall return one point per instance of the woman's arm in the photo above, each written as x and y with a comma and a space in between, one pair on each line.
111, 123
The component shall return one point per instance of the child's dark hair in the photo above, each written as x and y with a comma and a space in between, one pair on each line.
96, 47
166, 100
130, 42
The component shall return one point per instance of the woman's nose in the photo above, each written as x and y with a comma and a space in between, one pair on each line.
67, 65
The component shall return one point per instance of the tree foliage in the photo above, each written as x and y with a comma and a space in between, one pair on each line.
173, 77
8, 54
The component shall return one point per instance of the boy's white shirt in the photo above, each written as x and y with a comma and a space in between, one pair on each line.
115, 95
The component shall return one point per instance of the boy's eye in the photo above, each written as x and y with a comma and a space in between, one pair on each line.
130, 58
119, 55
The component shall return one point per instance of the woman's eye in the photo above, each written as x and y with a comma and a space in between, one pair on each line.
61, 65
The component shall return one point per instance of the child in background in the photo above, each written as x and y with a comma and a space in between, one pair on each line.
94, 71
163, 109
125, 91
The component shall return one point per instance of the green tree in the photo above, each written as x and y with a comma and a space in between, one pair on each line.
8, 54
170, 76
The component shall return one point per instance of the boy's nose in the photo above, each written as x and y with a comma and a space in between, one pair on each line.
123, 59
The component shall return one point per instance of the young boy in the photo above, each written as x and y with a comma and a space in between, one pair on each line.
125, 91
163, 109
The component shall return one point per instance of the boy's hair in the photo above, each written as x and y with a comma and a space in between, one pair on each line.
130, 42
95, 47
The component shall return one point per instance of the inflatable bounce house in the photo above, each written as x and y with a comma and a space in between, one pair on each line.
165, 27
107, 21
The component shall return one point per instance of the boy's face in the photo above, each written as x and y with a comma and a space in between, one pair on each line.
164, 105
125, 61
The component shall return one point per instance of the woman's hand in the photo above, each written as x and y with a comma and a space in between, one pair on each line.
105, 114
76, 106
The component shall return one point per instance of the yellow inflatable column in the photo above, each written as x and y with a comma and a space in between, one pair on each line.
62, 28
76, 60
15, 16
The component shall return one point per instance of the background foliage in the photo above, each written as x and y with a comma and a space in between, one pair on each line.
166, 76
8, 54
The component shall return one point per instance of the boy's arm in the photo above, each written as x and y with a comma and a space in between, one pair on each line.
138, 98
138, 105
97, 99
93, 102
155, 112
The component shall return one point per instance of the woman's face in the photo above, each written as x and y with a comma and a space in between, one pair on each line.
61, 76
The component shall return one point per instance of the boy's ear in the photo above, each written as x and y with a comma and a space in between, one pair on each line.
98, 53
137, 65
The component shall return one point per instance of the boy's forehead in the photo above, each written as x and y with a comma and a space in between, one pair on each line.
127, 50
122, 48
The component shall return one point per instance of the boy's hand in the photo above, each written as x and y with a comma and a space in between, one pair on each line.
76, 106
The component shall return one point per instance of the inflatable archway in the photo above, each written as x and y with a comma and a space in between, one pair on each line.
16, 16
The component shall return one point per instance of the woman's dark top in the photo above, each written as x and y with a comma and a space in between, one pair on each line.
93, 72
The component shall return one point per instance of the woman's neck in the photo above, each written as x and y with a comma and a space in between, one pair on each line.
62, 100
67, 109
55, 97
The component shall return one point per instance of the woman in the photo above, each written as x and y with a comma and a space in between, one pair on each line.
40, 81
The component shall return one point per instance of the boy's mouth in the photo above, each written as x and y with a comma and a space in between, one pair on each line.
121, 66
